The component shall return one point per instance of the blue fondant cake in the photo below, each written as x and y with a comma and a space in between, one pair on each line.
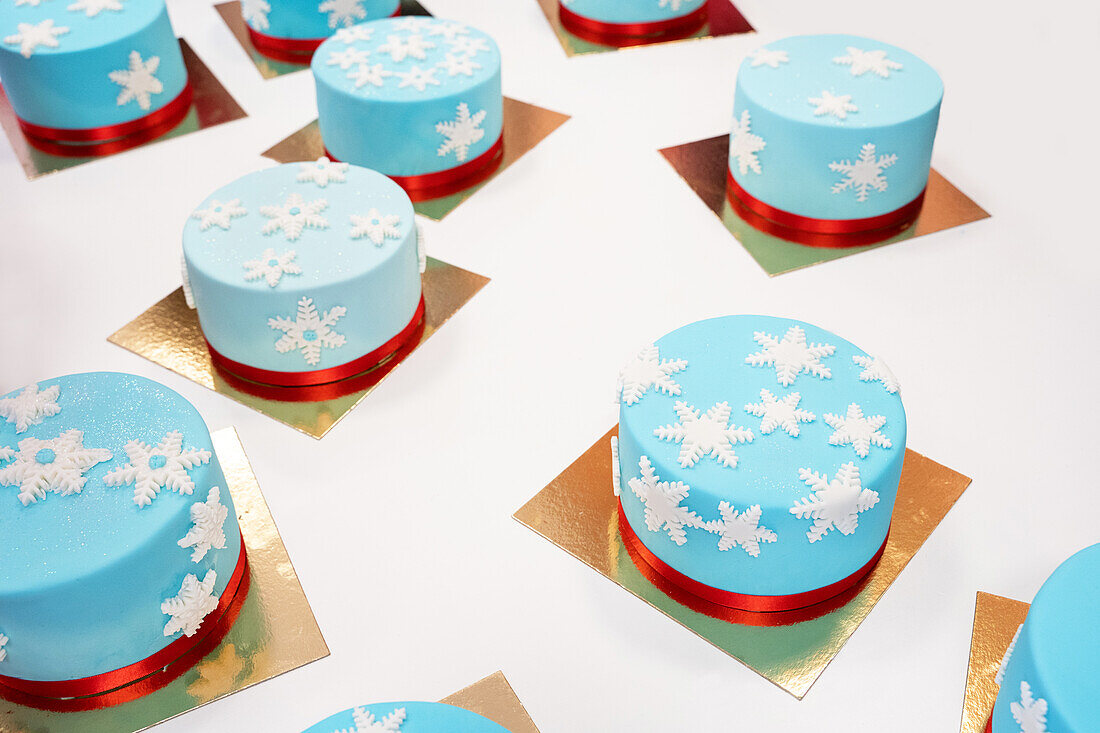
1051, 673
759, 455
88, 63
632, 11
834, 126
117, 530
409, 96
407, 717
312, 19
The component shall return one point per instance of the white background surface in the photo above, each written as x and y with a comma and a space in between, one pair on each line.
399, 522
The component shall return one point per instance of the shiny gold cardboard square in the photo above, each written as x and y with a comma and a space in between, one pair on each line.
212, 105
168, 334
577, 511
995, 622
494, 698
525, 126
702, 164
724, 19
275, 632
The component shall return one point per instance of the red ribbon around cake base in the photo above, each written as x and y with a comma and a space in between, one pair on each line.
143, 677
292, 50
739, 608
820, 232
989, 724
99, 141
632, 34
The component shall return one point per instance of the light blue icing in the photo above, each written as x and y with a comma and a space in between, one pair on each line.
83, 576
68, 86
633, 11
420, 717
392, 129
306, 19
1056, 652
378, 285
767, 471
897, 114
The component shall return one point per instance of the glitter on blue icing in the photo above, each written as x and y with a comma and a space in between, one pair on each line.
305, 19
633, 11
420, 717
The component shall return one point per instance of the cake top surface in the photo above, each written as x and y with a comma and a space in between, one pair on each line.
298, 226
840, 81
56, 27
70, 433
407, 717
406, 59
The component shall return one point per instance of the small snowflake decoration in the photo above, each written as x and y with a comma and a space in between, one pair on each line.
705, 434
207, 526
412, 23
864, 61
365, 722
646, 370
3, 643
838, 106
342, 12
768, 57
856, 430
779, 413
1031, 712
255, 12
417, 78
347, 58
875, 370
185, 286
1000, 678
353, 34
468, 45
864, 174
455, 65
791, 356
744, 145
152, 468
322, 172
31, 406
92, 8
376, 227
31, 36
673, 5
294, 215
32, 3
271, 267
413, 46
740, 529
373, 75
218, 214
448, 29
662, 500
310, 331
138, 82
193, 603
460, 133
616, 469
57, 465
834, 504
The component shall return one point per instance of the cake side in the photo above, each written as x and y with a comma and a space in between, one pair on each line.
306, 19
632, 11
407, 717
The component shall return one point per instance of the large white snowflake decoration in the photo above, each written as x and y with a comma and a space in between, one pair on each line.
151, 468
744, 145
875, 370
769, 57
856, 430
740, 529
310, 331
834, 504
294, 215
92, 8
218, 214
468, 45
138, 82
705, 434
791, 356
3, 643
31, 36
31, 406
376, 227
836, 105
271, 267
779, 413
412, 46
864, 174
1000, 677
1031, 712
417, 78
448, 29
343, 12
373, 75
646, 370
864, 61
56, 464
460, 133
322, 171
616, 469
353, 34
455, 65
347, 58
255, 12
193, 603
662, 501
207, 526
365, 722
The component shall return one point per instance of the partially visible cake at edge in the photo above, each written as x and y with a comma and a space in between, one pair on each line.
407, 717
299, 26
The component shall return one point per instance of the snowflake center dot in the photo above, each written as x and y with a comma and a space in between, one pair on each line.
217, 208
157, 461
45, 456
272, 263
294, 211
309, 335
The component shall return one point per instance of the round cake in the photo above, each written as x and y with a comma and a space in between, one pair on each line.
833, 133
619, 22
1051, 672
759, 459
406, 717
417, 99
117, 531
304, 273
290, 30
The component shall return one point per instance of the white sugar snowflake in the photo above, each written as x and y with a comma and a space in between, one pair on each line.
856, 430
271, 267
365, 722
31, 36
207, 526
375, 226
345, 12
662, 501
56, 464
417, 78
194, 602
373, 75
740, 529
152, 468
448, 29
255, 12
353, 34
875, 370
769, 57
412, 23
673, 5
32, 3
779, 413
3, 643
834, 504
185, 285
347, 58
468, 45
864, 174
92, 8
218, 214
31, 406
413, 46
322, 172
864, 61
460, 133
838, 106
646, 370
138, 82
744, 145
455, 65
6, 453
705, 434
791, 356
294, 215
616, 469
1000, 677
1031, 712
421, 249
310, 331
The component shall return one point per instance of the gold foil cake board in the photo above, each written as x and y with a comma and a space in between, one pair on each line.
275, 632
494, 698
995, 622
702, 164
578, 512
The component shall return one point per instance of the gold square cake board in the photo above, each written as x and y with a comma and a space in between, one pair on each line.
493, 698
577, 511
995, 622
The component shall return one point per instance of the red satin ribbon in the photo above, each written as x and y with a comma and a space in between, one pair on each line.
989, 724
293, 50
145, 676
632, 34
820, 232
98, 141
